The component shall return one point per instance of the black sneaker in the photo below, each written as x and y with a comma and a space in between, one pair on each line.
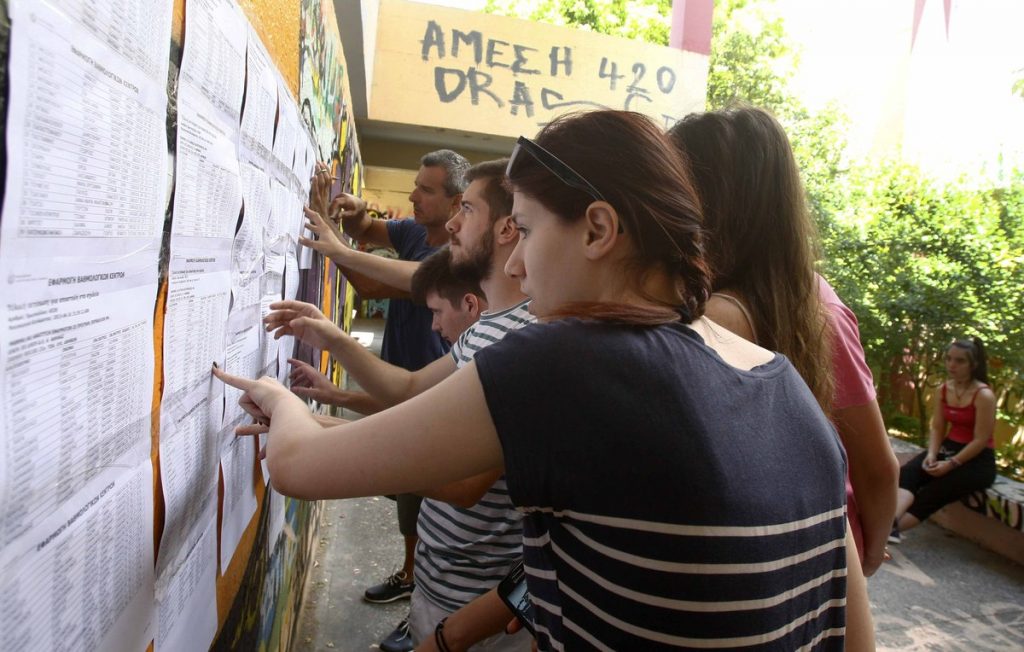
895, 537
398, 640
393, 588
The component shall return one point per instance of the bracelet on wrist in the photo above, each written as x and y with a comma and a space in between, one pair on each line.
439, 636
955, 462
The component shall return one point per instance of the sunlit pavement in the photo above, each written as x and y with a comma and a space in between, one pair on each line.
359, 545
939, 592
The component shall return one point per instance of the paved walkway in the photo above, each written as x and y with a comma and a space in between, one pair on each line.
939, 592
359, 545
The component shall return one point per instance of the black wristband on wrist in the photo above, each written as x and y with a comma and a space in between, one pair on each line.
439, 636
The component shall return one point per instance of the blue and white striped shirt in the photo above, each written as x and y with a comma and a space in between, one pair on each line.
463, 553
671, 500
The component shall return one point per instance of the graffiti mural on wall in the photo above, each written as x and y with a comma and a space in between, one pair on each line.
323, 96
1003, 501
540, 72
323, 93
321, 77
265, 611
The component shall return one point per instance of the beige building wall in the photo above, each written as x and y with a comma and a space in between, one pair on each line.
387, 190
473, 82
448, 69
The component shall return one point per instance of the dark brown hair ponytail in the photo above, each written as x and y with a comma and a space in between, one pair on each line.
632, 163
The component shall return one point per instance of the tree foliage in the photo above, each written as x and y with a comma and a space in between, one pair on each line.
751, 61
928, 263
648, 20
918, 262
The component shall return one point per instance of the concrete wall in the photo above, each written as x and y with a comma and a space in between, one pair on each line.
489, 74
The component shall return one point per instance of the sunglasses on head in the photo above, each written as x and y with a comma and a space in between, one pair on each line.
553, 164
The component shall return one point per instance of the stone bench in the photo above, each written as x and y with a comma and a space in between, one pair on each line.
993, 518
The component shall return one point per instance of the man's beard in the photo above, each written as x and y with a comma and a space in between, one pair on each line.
477, 264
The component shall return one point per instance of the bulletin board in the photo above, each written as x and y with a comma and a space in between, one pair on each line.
157, 159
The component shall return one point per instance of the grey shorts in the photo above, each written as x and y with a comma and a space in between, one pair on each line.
423, 617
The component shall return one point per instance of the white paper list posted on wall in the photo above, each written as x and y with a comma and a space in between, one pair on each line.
241, 358
237, 465
188, 472
247, 252
208, 190
77, 386
86, 146
260, 108
138, 30
213, 61
186, 598
198, 297
88, 585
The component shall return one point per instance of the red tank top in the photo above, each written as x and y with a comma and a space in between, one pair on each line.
961, 419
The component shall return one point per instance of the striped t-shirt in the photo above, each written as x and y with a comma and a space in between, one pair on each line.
463, 553
671, 500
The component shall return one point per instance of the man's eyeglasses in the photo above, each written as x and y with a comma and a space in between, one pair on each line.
553, 164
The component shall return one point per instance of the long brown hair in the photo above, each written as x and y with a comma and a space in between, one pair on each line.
634, 166
762, 244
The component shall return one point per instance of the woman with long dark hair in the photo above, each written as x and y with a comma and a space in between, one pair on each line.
960, 458
681, 486
762, 248
761, 241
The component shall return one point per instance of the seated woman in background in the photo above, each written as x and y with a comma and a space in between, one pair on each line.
962, 460
762, 252
651, 520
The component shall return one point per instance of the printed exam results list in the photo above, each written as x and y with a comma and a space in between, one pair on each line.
85, 197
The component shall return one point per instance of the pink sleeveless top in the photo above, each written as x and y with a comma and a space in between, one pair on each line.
961, 419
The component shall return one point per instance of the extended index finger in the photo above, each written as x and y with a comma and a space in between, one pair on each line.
238, 382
